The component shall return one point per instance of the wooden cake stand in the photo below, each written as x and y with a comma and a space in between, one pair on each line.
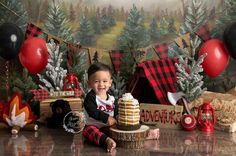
130, 139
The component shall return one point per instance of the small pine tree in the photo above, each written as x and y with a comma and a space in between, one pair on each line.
104, 19
54, 74
134, 35
57, 23
7, 16
72, 13
174, 51
84, 82
118, 85
171, 26
227, 16
95, 57
96, 25
153, 31
78, 64
164, 26
111, 16
85, 35
195, 17
19, 85
128, 66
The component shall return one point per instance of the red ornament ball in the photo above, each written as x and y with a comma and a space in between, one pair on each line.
188, 122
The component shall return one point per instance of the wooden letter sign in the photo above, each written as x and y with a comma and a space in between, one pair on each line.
163, 116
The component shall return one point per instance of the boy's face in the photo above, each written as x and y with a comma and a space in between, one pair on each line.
100, 82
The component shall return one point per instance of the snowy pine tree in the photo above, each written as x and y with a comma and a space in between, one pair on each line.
54, 73
189, 79
57, 23
195, 16
85, 35
7, 16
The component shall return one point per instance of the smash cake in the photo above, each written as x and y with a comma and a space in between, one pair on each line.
128, 118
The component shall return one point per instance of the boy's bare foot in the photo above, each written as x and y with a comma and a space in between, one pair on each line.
153, 134
111, 144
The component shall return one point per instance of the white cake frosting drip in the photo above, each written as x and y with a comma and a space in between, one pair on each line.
129, 97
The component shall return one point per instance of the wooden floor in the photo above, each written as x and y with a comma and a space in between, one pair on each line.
57, 142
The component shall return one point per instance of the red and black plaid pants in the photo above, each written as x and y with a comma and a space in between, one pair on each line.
96, 135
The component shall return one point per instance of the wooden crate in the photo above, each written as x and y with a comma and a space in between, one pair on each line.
45, 109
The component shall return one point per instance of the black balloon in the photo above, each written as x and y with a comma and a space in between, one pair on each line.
11, 40
230, 39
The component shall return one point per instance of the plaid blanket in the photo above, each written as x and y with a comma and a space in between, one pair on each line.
116, 56
161, 50
161, 75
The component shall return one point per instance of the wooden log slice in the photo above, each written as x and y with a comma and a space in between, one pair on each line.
130, 139
125, 127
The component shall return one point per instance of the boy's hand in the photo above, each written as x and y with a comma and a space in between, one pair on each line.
111, 121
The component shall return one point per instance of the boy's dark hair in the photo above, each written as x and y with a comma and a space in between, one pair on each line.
98, 66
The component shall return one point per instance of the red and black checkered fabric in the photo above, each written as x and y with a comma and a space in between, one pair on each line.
32, 31
161, 50
116, 56
40, 94
203, 32
94, 135
161, 75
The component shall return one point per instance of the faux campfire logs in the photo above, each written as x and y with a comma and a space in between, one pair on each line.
130, 139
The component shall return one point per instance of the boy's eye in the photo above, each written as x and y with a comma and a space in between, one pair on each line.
104, 81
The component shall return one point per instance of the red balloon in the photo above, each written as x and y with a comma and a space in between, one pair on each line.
34, 55
217, 57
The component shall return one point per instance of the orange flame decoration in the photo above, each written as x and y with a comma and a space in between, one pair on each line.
17, 114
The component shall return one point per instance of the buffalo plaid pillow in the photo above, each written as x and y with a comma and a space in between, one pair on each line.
161, 75
116, 56
161, 50
32, 31
203, 32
